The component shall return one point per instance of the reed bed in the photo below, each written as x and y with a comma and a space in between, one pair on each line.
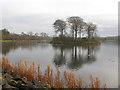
33, 72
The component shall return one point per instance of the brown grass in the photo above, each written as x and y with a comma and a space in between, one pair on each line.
33, 72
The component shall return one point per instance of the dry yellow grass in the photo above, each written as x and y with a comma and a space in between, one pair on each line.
33, 72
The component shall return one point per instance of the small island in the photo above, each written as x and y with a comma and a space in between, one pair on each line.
75, 31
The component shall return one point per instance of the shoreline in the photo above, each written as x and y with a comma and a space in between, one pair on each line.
77, 43
14, 81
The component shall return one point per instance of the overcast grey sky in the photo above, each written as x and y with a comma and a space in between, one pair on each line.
39, 15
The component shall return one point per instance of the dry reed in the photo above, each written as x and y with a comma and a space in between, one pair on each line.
55, 81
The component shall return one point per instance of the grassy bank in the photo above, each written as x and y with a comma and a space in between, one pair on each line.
50, 77
19, 40
11, 40
6, 40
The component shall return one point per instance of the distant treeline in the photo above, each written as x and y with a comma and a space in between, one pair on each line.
113, 38
6, 35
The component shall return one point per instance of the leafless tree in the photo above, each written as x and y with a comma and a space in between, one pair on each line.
22, 33
36, 34
43, 34
81, 28
76, 24
30, 33
60, 26
90, 29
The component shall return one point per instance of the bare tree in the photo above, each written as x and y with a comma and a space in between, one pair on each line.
93, 29
81, 28
60, 26
36, 34
22, 33
75, 23
90, 29
30, 33
43, 34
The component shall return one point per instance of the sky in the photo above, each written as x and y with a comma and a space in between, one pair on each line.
39, 15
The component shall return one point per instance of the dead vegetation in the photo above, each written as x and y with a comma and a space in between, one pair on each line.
33, 72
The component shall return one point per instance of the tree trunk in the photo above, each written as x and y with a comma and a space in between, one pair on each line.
75, 34
72, 34
88, 34
80, 33
62, 32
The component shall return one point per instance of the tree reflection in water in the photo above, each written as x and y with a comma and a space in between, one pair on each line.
74, 57
77, 55
60, 57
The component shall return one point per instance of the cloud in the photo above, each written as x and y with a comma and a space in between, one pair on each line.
43, 23
34, 23
59, 6
39, 15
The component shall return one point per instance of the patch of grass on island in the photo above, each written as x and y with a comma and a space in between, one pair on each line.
77, 41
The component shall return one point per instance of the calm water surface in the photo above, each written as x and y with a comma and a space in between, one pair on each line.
100, 61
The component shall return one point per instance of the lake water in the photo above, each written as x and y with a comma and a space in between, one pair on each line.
100, 61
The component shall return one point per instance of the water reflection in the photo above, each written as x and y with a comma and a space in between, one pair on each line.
7, 47
87, 60
74, 57
77, 55
60, 57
